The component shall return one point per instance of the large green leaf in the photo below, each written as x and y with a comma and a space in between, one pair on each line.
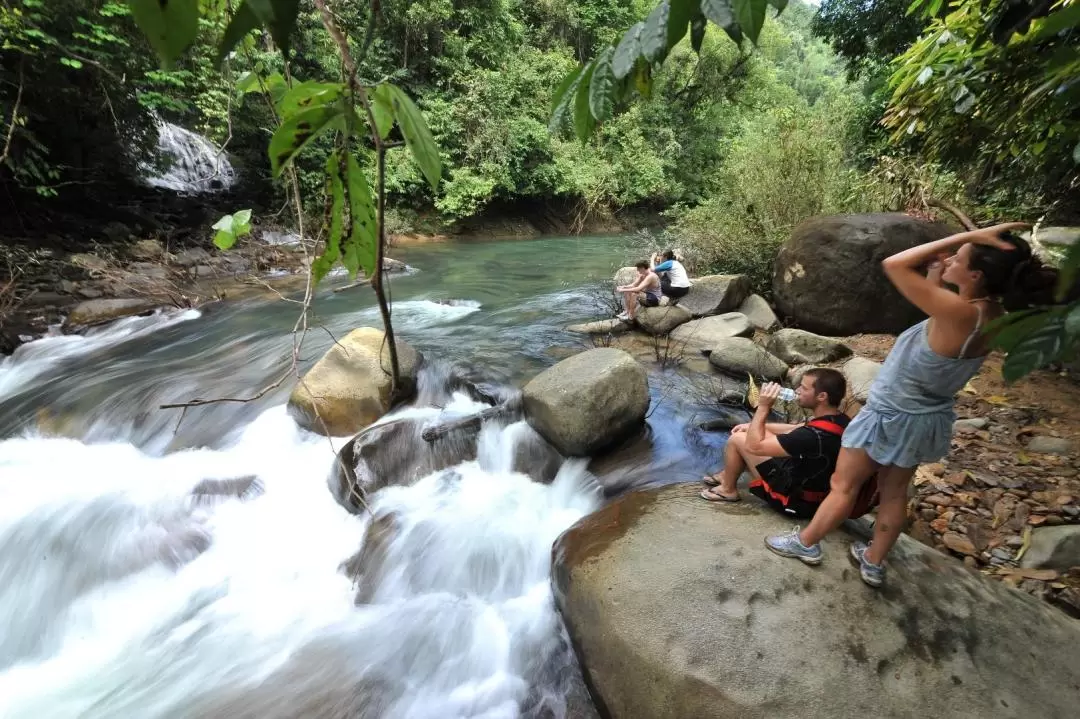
654, 44
567, 98
242, 22
335, 192
382, 109
1055, 22
643, 80
232, 227
564, 87
1038, 349
779, 5
1007, 331
721, 13
602, 87
583, 119
627, 52
305, 95
417, 135
279, 16
298, 130
169, 25
751, 16
679, 17
360, 250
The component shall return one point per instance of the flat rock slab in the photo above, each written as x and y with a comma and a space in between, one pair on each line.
716, 294
705, 333
760, 314
600, 327
801, 347
677, 610
739, 356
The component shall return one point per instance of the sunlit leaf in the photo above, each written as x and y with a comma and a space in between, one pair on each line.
382, 109
721, 13
1055, 22
602, 87
417, 135
232, 227
751, 16
242, 22
336, 192
564, 87
305, 95
583, 119
643, 81
563, 111
169, 25
654, 45
627, 52
298, 130
360, 249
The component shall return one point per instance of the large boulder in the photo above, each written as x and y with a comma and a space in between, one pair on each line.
97, 312
716, 294
625, 276
349, 388
588, 402
740, 356
676, 610
1054, 548
760, 314
828, 279
860, 374
660, 321
801, 347
705, 333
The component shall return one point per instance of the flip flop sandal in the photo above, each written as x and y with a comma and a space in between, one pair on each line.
709, 495
711, 480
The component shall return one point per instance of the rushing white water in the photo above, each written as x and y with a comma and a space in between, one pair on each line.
195, 165
122, 595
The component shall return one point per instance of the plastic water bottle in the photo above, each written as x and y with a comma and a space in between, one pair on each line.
786, 394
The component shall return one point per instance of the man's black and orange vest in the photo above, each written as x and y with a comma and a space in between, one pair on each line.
795, 493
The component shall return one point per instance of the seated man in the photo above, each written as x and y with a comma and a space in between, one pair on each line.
674, 282
648, 284
790, 464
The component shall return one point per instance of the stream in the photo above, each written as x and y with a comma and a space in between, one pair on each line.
125, 592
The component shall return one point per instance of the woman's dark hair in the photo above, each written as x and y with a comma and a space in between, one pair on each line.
1017, 276
667, 255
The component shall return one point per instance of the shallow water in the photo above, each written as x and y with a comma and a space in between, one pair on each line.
122, 594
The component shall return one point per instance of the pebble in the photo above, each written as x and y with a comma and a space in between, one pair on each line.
1054, 520
1071, 511
1002, 554
969, 426
1014, 542
1049, 445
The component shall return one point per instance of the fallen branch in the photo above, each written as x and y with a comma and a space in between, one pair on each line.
358, 283
470, 422
953, 210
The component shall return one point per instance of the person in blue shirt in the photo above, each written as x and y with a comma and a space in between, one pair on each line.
674, 282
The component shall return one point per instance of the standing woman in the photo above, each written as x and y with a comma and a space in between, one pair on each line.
908, 417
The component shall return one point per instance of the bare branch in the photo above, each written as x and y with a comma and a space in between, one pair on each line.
14, 114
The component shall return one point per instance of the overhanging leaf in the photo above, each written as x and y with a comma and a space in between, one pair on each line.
360, 250
1055, 22
627, 52
751, 16
643, 78
296, 131
564, 87
169, 25
654, 35
242, 22
679, 16
417, 135
779, 5
720, 12
602, 87
279, 16
563, 111
335, 191
583, 119
382, 109
1038, 349
308, 94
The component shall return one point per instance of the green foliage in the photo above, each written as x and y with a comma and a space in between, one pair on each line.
232, 227
169, 25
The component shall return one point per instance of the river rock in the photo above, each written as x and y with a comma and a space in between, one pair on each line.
661, 320
1050, 445
348, 387
801, 347
588, 402
600, 327
625, 276
96, 312
716, 294
676, 610
147, 250
706, 332
192, 257
828, 278
1053, 548
1056, 236
740, 356
860, 373
89, 262
759, 313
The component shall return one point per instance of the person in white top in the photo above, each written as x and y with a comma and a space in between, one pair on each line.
674, 282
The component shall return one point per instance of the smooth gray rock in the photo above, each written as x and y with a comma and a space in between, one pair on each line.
677, 611
625, 276
802, 347
740, 356
1053, 548
96, 312
600, 327
827, 277
1050, 445
704, 333
588, 402
860, 373
659, 321
1056, 236
759, 313
716, 294
973, 424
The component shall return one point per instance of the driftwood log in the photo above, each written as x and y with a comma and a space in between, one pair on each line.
468, 422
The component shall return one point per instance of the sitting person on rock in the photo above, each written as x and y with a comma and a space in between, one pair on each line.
908, 417
647, 286
674, 282
790, 463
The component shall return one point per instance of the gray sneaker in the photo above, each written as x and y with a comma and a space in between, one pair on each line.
788, 545
872, 574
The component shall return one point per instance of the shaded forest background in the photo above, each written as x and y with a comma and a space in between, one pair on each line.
733, 147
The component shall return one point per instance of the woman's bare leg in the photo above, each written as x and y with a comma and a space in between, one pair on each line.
892, 511
853, 468
631, 304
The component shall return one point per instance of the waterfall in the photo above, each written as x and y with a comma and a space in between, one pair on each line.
195, 164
